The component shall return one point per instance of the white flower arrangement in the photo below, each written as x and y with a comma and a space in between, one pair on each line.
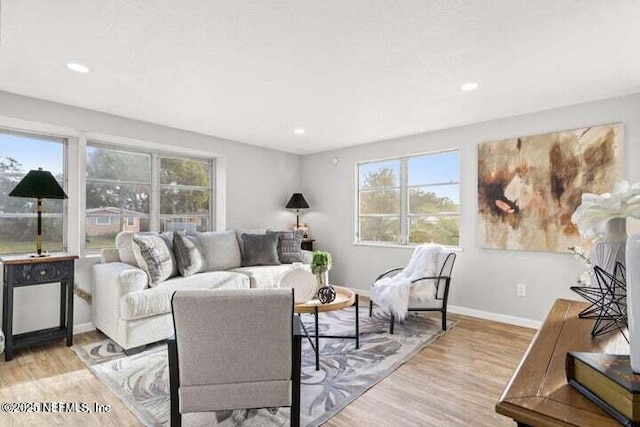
595, 210
579, 253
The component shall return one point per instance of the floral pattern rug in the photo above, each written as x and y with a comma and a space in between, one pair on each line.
142, 381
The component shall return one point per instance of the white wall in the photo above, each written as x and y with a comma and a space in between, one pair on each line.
484, 279
259, 182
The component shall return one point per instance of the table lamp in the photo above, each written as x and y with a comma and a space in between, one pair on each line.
40, 185
297, 202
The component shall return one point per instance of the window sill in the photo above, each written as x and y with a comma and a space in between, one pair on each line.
92, 255
395, 245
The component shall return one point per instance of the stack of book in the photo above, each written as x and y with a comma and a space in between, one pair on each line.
608, 381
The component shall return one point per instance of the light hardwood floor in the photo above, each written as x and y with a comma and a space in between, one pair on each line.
455, 381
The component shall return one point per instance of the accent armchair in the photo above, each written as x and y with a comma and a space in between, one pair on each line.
442, 282
233, 349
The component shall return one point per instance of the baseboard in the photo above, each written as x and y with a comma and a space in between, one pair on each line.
82, 328
497, 317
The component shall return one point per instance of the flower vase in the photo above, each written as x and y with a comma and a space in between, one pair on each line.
609, 248
633, 299
323, 280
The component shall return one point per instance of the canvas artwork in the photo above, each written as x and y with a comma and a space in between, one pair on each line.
529, 187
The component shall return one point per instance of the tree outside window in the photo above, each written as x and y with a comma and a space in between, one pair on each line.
120, 186
410, 200
20, 153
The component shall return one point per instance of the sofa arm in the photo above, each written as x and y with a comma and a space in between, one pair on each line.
111, 281
118, 275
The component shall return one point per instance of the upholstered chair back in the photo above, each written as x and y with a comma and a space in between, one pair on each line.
234, 348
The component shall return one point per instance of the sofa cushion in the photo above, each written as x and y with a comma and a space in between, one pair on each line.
260, 249
124, 244
289, 245
265, 276
220, 250
157, 300
154, 254
188, 252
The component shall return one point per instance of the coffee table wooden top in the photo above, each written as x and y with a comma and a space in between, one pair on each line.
344, 298
538, 393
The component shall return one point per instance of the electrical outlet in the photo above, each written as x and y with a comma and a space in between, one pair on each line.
521, 289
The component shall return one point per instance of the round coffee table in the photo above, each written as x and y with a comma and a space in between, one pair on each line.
344, 298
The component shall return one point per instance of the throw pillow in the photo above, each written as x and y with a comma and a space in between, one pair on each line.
220, 250
240, 232
127, 249
260, 249
289, 245
155, 256
188, 253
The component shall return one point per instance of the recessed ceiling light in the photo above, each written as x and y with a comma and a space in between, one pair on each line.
299, 131
78, 68
468, 87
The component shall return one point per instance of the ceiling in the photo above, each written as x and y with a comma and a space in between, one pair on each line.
348, 71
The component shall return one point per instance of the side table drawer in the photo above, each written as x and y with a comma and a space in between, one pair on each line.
36, 273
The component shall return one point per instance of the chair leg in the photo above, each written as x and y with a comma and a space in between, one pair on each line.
174, 379
392, 322
444, 320
370, 308
295, 380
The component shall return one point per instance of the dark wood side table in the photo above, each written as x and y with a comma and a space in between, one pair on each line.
307, 244
29, 271
538, 393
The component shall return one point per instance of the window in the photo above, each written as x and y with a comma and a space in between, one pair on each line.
185, 194
19, 153
118, 186
142, 191
410, 200
102, 220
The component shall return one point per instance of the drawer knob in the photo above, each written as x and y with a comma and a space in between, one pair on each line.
43, 272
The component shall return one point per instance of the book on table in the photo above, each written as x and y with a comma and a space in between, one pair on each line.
608, 381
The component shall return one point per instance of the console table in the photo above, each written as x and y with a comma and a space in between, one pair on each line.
23, 270
538, 393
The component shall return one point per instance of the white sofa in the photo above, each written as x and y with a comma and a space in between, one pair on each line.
133, 314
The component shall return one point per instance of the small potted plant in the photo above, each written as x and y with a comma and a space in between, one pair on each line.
320, 266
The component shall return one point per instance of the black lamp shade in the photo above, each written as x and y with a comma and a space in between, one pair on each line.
297, 201
39, 184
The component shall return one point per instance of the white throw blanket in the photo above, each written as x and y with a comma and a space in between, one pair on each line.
393, 293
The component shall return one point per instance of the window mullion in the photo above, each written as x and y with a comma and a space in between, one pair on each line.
212, 195
404, 217
155, 192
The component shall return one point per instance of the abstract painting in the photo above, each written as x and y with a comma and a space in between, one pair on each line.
529, 187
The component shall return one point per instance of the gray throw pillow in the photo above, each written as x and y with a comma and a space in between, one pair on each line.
188, 253
220, 250
260, 249
289, 245
240, 232
155, 256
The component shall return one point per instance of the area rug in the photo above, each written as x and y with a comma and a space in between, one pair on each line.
142, 381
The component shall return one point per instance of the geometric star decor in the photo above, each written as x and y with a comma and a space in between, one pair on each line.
608, 301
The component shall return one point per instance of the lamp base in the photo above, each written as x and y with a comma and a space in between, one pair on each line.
42, 255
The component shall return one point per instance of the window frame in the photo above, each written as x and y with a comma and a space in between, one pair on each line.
212, 187
65, 141
156, 154
404, 188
